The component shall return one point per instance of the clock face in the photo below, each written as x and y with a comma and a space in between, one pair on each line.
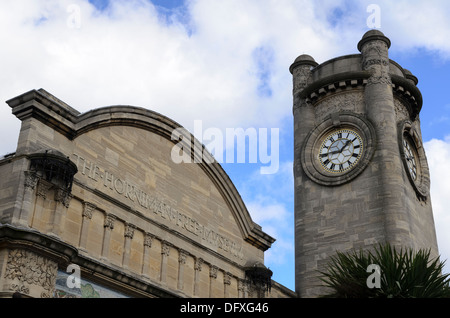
340, 150
410, 159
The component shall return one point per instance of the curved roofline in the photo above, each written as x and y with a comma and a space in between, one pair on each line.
72, 124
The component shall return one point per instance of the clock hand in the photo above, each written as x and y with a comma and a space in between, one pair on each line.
345, 146
341, 149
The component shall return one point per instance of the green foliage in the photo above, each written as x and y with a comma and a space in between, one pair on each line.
404, 274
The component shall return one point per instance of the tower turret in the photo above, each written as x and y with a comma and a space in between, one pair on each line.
360, 170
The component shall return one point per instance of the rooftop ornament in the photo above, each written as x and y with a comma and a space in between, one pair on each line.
260, 277
54, 167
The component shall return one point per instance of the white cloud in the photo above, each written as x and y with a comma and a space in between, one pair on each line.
203, 64
269, 200
207, 68
438, 152
276, 221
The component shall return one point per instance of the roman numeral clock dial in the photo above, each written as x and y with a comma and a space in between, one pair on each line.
414, 159
340, 150
410, 159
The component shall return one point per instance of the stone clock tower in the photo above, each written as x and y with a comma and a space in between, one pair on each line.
361, 174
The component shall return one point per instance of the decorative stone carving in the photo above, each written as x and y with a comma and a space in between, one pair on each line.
165, 248
109, 221
348, 101
27, 269
31, 179
88, 208
259, 277
129, 230
401, 111
227, 278
303, 77
42, 188
213, 271
198, 264
375, 60
242, 288
63, 196
182, 255
148, 240
54, 167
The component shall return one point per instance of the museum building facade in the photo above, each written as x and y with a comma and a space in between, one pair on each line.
92, 205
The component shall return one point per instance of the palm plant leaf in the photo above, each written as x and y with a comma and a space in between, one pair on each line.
404, 273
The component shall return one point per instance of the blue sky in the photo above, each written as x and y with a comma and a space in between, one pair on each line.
225, 63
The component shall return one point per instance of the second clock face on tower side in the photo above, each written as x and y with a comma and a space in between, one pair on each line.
410, 158
340, 150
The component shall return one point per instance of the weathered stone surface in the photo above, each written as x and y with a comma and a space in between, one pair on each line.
137, 220
380, 204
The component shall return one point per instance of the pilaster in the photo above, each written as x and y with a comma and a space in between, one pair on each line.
380, 110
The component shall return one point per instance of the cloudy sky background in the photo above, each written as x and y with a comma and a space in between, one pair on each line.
226, 63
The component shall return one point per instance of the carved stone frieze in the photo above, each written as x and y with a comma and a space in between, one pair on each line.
303, 77
376, 61
27, 270
348, 101
400, 110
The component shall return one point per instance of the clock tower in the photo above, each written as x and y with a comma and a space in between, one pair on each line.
360, 170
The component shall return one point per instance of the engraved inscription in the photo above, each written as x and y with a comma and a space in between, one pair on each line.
107, 181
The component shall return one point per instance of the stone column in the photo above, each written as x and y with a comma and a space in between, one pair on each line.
242, 288
226, 284
182, 255
212, 275
165, 252
129, 233
197, 269
380, 109
108, 227
62, 199
42, 190
88, 208
146, 255
31, 180
304, 122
